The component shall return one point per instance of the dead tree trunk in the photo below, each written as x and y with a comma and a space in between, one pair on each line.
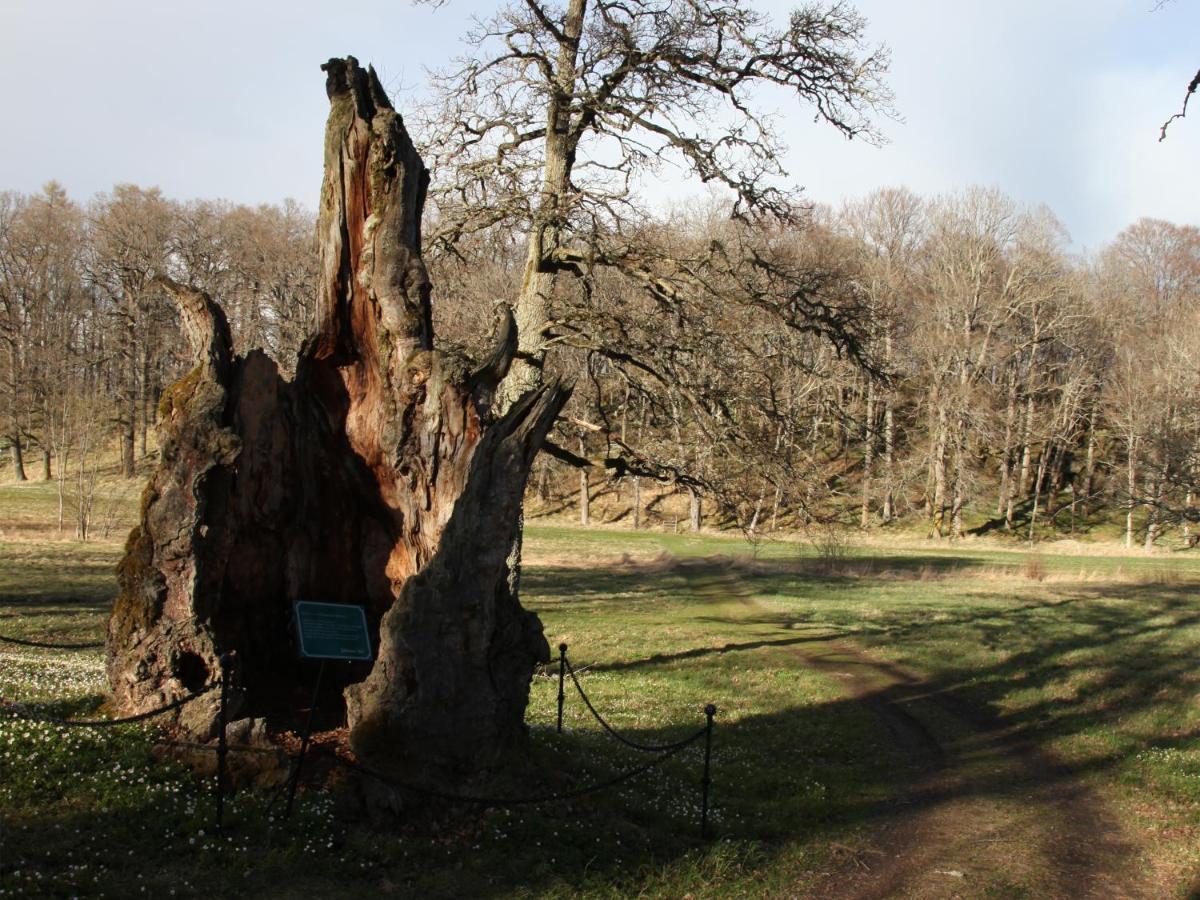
378, 476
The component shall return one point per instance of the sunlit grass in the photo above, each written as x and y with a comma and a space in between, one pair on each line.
1089, 655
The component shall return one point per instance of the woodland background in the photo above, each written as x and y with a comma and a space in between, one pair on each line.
985, 377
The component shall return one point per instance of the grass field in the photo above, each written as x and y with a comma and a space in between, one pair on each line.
910, 720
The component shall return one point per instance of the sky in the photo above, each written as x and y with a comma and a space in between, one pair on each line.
1052, 101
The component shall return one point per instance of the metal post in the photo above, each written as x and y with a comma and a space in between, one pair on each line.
222, 747
705, 781
562, 674
295, 779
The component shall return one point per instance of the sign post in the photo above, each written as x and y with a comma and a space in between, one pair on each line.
326, 631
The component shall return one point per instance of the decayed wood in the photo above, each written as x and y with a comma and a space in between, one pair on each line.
379, 475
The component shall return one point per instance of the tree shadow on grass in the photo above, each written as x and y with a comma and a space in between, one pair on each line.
797, 775
1103, 678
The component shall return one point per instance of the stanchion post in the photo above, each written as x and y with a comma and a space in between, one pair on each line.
706, 780
562, 674
312, 708
222, 745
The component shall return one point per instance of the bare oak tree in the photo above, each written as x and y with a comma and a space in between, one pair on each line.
550, 126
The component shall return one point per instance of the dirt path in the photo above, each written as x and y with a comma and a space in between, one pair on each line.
989, 815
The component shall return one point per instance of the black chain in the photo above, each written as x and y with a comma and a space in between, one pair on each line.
515, 801
455, 798
18, 710
22, 643
647, 748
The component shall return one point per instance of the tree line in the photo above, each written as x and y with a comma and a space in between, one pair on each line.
945, 360
89, 335
987, 379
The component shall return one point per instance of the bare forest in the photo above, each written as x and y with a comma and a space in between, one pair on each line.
983, 377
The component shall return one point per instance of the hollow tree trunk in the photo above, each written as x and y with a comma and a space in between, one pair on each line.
378, 476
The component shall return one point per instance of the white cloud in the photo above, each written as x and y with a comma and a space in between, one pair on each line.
1054, 102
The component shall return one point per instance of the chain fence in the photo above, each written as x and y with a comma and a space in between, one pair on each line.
663, 752
20, 642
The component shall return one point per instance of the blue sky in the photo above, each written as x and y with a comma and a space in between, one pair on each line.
1054, 102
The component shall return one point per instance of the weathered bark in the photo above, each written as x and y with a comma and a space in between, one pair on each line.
378, 476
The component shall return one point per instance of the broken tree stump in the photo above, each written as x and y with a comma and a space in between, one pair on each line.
380, 475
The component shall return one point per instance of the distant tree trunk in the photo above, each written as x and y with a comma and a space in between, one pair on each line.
18, 458
1131, 484
585, 495
889, 458
1006, 461
128, 401
147, 401
694, 510
1026, 450
960, 475
379, 476
864, 518
1037, 490
938, 462
753, 529
1153, 519
637, 502
1089, 474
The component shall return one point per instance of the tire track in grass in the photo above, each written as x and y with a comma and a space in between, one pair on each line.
990, 814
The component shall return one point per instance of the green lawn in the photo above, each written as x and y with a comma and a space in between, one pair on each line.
1091, 657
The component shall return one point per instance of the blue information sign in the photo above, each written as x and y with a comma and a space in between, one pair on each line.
332, 631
